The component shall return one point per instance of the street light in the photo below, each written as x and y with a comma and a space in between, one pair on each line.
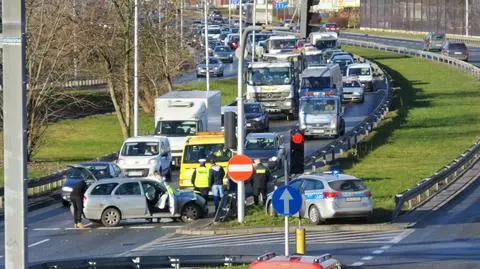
135, 71
207, 62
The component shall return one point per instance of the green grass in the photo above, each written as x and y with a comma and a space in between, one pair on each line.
73, 141
387, 34
434, 119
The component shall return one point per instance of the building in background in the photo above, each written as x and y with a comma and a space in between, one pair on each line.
421, 16
335, 5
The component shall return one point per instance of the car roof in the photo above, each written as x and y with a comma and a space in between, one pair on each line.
268, 64
255, 135
146, 138
282, 37
328, 177
95, 163
359, 65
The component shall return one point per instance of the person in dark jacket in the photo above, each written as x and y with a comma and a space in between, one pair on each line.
216, 176
76, 198
260, 182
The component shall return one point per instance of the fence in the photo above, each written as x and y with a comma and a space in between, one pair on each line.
428, 187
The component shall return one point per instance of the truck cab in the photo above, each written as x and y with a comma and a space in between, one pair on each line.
322, 80
311, 58
324, 40
279, 48
321, 116
205, 145
274, 85
141, 156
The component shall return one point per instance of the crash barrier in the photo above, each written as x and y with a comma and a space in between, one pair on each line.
146, 262
414, 197
50, 183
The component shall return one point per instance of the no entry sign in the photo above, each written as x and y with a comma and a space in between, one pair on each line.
240, 168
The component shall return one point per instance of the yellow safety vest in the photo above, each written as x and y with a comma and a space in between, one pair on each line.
260, 171
201, 177
170, 190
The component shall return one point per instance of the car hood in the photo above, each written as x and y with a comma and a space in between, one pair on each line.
204, 66
187, 195
352, 89
224, 53
71, 182
137, 160
260, 153
250, 116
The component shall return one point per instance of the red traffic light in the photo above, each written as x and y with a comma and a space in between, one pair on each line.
297, 138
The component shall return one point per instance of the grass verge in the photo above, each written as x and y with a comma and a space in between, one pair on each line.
387, 34
74, 141
435, 117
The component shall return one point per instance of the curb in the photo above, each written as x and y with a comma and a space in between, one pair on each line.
323, 228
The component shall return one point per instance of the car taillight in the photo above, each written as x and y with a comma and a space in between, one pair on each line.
368, 194
332, 194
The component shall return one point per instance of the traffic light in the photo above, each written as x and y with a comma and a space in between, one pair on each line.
297, 148
306, 17
230, 132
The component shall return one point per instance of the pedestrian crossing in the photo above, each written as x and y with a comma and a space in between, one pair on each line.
319, 237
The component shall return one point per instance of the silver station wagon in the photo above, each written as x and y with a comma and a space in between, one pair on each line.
109, 201
330, 195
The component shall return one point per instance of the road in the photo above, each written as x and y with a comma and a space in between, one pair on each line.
474, 52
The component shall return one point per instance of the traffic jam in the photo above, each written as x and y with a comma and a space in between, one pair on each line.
305, 81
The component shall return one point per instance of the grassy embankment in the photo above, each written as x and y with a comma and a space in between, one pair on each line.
74, 141
434, 119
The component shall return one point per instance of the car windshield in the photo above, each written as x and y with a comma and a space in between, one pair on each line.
284, 44
458, 46
99, 170
325, 44
313, 60
253, 108
347, 185
258, 38
438, 37
176, 128
210, 61
318, 106
260, 143
222, 49
315, 82
269, 76
215, 152
351, 84
364, 71
214, 31
140, 149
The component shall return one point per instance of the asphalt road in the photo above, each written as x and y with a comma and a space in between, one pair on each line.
474, 52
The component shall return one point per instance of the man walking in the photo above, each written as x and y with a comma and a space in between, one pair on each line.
200, 179
76, 198
260, 182
216, 180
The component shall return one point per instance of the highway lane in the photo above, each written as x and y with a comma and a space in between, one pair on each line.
230, 71
474, 57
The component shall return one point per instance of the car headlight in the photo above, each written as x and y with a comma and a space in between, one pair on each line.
273, 159
356, 93
303, 126
333, 123
288, 103
257, 119
231, 55
67, 189
152, 161
121, 161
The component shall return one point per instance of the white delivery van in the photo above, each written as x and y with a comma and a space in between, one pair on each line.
364, 73
141, 156
179, 114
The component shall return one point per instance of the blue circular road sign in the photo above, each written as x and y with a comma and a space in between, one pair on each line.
286, 201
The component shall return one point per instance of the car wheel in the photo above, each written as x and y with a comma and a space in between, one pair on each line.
314, 215
111, 217
65, 203
271, 211
191, 212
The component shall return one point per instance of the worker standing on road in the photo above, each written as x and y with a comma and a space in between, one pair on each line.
260, 181
216, 180
200, 179
76, 198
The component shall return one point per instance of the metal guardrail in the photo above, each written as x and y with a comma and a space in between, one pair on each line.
416, 196
144, 262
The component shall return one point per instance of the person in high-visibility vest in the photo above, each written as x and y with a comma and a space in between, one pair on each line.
260, 181
201, 179
170, 190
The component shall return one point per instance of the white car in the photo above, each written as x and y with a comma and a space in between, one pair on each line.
353, 91
363, 72
141, 156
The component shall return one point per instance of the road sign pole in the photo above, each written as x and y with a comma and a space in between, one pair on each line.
285, 168
15, 134
286, 236
240, 118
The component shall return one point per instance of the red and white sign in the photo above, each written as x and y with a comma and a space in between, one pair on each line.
240, 168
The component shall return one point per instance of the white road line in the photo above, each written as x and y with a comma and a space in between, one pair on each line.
46, 229
367, 258
38, 243
378, 251
110, 228
141, 227
401, 236
386, 247
70, 229
172, 227
358, 263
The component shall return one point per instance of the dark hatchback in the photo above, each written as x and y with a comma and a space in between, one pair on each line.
257, 117
457, 50
90, 172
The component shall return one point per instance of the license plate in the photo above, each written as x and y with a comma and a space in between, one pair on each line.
319, 131
268, 105
353, 199
249, 125
135, 173
458, 53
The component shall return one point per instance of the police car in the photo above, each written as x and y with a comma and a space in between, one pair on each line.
330, 195
271, 260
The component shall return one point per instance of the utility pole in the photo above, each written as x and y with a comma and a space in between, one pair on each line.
266, 12
240, 120
466, 17
15, 133
230, 13
253, 33
135, 71
207, 61
181, 22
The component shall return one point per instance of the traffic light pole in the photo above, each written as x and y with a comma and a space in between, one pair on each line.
285, 169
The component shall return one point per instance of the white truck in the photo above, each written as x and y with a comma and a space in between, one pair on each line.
179, 114
274, 85
260, 16
280, 47
322, 81
324, 40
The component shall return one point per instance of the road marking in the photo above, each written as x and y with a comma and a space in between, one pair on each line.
141, 227
367, 258
70, 229
358, 263
173, 227
47, 229
386, 247
401, 236
110, 228
38, 243
379, 251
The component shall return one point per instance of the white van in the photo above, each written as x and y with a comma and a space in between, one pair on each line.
141, 156
364, 73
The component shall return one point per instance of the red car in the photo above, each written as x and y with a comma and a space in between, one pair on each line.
331, 27
272, 261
